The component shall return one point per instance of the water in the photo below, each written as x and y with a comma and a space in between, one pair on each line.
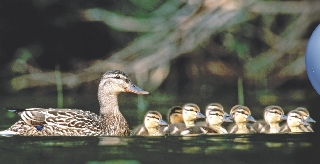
230, 148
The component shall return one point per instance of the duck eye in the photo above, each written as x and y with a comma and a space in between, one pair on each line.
117, 77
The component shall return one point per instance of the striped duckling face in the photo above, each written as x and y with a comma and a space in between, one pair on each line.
217, 106
153, 119
115, 82
295, 119
274, 114
191, 112
216, 117
305, 114
175, 115
242, 114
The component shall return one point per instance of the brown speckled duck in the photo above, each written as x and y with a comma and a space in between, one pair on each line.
273, 115
74, 122
151, 127
241, 115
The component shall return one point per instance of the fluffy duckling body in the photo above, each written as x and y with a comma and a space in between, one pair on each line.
273, 115
74, 122
190, 112
151, 127
241, 115
294, 120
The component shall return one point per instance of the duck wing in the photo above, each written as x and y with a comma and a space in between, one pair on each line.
61, 118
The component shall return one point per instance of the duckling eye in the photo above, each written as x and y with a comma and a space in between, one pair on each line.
296, 117
242, 112
275, 112
117, 77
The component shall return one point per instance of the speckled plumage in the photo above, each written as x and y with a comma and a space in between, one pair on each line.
75, 122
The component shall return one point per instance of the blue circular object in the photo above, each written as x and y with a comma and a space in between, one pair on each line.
312, 59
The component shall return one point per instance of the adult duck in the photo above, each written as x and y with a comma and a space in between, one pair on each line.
75, 122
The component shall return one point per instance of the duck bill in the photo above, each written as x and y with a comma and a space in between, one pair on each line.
250, 118
309, 119
200, 115
283, 117
162, 123
227, 114
226, 119
303, 122
135, 89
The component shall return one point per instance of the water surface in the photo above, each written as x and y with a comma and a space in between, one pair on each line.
230, 148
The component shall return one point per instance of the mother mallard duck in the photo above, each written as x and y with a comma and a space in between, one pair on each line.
75, 122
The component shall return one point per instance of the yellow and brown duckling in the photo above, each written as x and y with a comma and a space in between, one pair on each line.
190, 112
215, 116
175, 115
74, 122
306, 116
241, 115
273, 115
294, 120
151, 127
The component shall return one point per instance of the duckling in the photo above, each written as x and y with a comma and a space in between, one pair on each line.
175, 115
75, 122
214, 118
307, 118
152, 122
273, 115
294, 120
241, 115
190, 112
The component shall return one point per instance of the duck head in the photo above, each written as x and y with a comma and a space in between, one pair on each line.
191, 112
175, 115
242, 114
274, 114
305, 114
153, 119
114, 82
295, 119
216, 117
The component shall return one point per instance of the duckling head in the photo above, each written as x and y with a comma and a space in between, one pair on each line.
305, 114
295, 119
232, 111
114, 82
242, 114
274, 114
218, 106
216, 117
191, 112
153, 119
175, 115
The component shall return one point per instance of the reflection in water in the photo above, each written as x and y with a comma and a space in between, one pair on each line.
283, 148
113, 141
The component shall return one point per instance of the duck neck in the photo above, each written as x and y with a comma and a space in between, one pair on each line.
189, 123
295, 129
242, 127
274, 127
152, 130
108, 104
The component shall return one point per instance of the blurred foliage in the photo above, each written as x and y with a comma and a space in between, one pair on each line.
194, 50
